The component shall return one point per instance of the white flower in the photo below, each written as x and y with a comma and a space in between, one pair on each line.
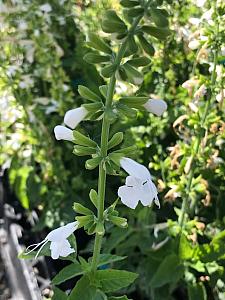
46, 8
74, 116
194, 44
59, 246
138, 186
63, 133
156, 106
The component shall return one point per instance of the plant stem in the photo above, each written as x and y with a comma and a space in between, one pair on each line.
104, 146
196, 150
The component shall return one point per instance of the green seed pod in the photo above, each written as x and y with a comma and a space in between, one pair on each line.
115, 140
93, 195
95, 58
158, 17
92, 163
83, 140
88, 94
100, 228
146, 46
85, 220
97, 43
159, 33
82, 151
139, 61
80, 209
134, 102
134, 75
129, 3
108, 71
121, 222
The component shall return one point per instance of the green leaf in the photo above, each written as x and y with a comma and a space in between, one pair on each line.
119, 298
105, 259
139, 61
96, 42
59, 294
68, 272
185, 250
135, 12
115, 140
88, 94
96, 58
107, 71
112, 280
133, 74
158, 17
112, 23
146, 46
83, 290
197, 292
159, 33
169, 270
131, 45
134, 102
103, 90
129, 3
83, 140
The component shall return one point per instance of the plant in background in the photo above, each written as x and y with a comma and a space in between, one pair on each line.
118, 60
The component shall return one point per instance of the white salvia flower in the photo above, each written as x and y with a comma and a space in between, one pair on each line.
194, 44
74, 116
200, 3
46, 8
220, 97
63, 133
138, 186
156, 106
59, 246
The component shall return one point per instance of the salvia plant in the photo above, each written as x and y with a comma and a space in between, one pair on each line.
126, 47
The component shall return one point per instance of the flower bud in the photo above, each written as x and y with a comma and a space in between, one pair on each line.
63, 133
74, 116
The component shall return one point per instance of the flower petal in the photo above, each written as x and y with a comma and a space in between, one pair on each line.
135, 169
63, 133
74, 116
62, 232
148, 193
157, 107
128, 196
61, 248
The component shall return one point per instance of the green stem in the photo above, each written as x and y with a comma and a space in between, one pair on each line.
104, 147
185, 202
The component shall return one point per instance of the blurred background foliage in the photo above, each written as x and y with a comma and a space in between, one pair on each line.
41, 53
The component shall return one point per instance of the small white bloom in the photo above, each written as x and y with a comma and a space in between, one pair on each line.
59, 246
74, 116
46, 8
194, 44
63, 133
156, 106
138, 186
200, 3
